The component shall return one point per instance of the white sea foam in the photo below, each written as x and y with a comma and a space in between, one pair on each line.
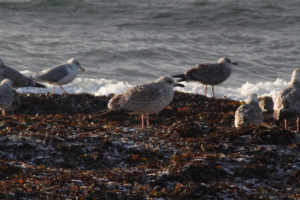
241, 92
105, 87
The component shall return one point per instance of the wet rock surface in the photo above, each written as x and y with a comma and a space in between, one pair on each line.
57, 147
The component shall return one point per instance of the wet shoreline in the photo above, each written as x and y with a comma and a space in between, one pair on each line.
57, 147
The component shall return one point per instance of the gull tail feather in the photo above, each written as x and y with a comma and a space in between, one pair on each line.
181, 76
35, 84
103, 112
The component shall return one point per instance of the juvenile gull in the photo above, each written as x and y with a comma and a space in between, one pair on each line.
18, 79
60, 74
209, 73
267, 106
287, 103
248, 113
144, 99
7, 96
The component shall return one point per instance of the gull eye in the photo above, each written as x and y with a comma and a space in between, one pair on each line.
170, 81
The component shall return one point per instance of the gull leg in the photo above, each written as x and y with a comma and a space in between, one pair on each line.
205, 91
147, 119
53, 89
298, 119
285, 124
64, 90
142, 118
213, 91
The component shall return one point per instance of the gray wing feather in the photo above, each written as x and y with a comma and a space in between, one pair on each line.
210, 74
53, 74
17, 78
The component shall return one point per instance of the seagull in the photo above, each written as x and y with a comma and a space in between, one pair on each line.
267, 106
287, 103
248, 113
7, 96
208, 73
18, 79
15, 104
60, 74
144, 99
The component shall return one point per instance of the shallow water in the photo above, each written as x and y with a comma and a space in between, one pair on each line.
123, 43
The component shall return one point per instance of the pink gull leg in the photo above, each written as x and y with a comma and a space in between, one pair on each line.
147, 119
64, 90
285, 124
142, 118
298, 119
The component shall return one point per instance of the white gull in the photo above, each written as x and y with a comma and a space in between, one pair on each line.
60, 74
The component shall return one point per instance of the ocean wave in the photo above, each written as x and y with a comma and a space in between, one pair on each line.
106, 87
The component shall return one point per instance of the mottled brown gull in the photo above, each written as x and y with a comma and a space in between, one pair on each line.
18, 79
208, 73
287, 103
248, 113
267, 106
144, 99
60, 74
7, 96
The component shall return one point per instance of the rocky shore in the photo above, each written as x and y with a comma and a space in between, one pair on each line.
57, 147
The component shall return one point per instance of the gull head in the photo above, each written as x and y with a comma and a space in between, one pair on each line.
75, 63
252, 98
296, 76
168, 81
7, 82
225, 60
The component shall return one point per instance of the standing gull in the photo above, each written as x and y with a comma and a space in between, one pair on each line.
209, 73
248, 113
18, 79
60, 74
287, 103
7, 96
144, 99
267, 106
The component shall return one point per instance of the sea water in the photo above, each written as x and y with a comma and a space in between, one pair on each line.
123, 43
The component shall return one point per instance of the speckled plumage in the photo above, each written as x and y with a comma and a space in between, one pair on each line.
18, 79
248, 113
267, 106
287, 103
145, 98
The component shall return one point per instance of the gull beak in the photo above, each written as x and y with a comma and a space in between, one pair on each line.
82, 69
234, 63
179, 85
